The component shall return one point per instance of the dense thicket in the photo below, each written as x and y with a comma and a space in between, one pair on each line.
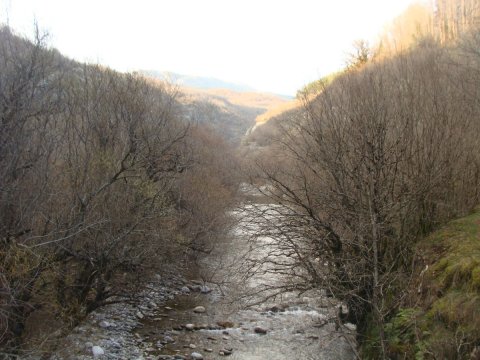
383, 155
101, 183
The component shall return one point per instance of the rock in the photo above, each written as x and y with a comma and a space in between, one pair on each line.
97, 351
278, 308
260, 330
225, 324
168, 308
185, 290
225, 337
139, 315
196, 356
192, 346
351, 327
196, 288
152, 305
180, 357
208, 350
104, 324
226, 352
199, 309
190, 327
225, 332
168, 339
205, 289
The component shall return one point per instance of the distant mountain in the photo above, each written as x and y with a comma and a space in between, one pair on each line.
231, 109
198, 82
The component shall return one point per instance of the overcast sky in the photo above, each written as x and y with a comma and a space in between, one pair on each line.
275, 46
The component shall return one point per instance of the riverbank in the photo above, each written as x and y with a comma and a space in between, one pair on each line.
440, 316
216, 310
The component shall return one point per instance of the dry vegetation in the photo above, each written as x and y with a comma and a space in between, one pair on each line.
103, 183
387, 152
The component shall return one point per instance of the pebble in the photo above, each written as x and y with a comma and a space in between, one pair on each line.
226, 352
152, 305
190, 327
225, 324
139, 315
104, 324
199, 309
196, 356
260, 330
205, 290
168, 339
97, 351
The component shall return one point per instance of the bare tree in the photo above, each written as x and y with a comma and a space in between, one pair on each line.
380, 157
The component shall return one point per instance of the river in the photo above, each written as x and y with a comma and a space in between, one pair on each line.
238, 315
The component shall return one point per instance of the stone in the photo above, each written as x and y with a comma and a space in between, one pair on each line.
152, 305
185, 290
205, 289
225, 324
168, 339
97, 351
196, 288
190, 327
208, 350
351, 327
260, 330
278, 308
192, 346
225, 338
139, 315
226, 352
196, 356
104, 324
199, 309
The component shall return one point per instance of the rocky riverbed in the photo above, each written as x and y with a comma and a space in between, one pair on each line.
207, 315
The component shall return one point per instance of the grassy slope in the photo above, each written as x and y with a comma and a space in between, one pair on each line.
441, 314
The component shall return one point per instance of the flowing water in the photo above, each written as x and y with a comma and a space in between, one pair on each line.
242, 319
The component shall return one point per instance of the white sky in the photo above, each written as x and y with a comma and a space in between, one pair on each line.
275, 46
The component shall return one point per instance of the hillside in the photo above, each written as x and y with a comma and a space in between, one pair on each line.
230, 112
199, 82
440, 316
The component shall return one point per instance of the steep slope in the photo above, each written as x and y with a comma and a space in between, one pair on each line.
440, 317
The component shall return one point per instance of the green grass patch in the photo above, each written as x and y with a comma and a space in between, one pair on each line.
441, 315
